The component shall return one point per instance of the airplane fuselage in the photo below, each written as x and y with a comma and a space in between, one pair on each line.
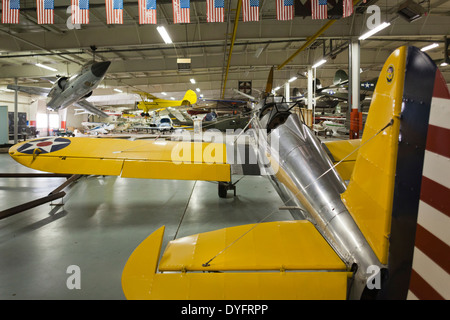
67, 91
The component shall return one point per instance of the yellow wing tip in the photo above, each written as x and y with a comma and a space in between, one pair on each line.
140, 269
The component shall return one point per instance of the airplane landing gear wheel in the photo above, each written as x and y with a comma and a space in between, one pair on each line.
224, 187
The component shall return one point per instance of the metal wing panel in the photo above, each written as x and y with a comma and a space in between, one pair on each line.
31, 90
89, 107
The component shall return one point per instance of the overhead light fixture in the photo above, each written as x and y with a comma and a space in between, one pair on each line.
444, 64
184, 64
318, 64
163, 33
117, 90
277, 88
258, 52
431, 46
292, 79
172, 98
193, 81
198, 89
164, 94
201, 96
410, 10
370, 33
45, 67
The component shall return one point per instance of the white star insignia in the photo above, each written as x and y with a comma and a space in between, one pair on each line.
45, 145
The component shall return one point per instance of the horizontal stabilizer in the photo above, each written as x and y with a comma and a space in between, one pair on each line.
275, 260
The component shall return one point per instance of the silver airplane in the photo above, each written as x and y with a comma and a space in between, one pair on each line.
74, 90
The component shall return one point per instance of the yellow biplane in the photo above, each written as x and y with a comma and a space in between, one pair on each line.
354, 240
150, 102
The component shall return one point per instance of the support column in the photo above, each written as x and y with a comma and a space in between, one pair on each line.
355, 115
16, 113
287, 91
310, 88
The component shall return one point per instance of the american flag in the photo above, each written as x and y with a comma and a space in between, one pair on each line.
319, 9
80, 11
147, 11
250, 10
181, 11
10, 11
348, 8
44, 10
114, 11
285, 9
215, 10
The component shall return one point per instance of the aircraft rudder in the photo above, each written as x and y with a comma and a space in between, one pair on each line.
384, 192
190, 96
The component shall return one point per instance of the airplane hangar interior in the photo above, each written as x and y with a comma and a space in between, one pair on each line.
224, 150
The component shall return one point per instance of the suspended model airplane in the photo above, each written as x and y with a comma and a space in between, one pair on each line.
74, 90
151, 102
354, 240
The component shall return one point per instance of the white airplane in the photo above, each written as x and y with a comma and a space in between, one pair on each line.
74, 90
333, 125
98, 128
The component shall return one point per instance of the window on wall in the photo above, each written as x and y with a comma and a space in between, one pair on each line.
41, 120
54, 121
51, 120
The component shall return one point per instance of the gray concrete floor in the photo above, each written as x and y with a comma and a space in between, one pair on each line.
102, 220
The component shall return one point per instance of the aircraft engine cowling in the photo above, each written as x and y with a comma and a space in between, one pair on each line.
62, 82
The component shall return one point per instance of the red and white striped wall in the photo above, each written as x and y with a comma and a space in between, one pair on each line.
430, 276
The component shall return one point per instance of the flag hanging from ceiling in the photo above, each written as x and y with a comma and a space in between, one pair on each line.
45, 11
285, 9
319, 9
250, 10
147, 11
215, 10
80, 11
114, 11
10, 11
348, 8
181, 11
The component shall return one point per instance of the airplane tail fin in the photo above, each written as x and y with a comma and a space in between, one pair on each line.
403, 148
269, 85
339, 77
190, 98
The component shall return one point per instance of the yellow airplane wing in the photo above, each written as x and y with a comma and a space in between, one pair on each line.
151, 102
129, 159
343, 154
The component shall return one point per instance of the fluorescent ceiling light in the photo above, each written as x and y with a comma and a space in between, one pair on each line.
162, 31
45, 67
375, 30
318, 64
431, 46
201, 96
164, 94
172, 98
117, 90
198, 89
444, 64
277, 88
193, 81
292, 79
